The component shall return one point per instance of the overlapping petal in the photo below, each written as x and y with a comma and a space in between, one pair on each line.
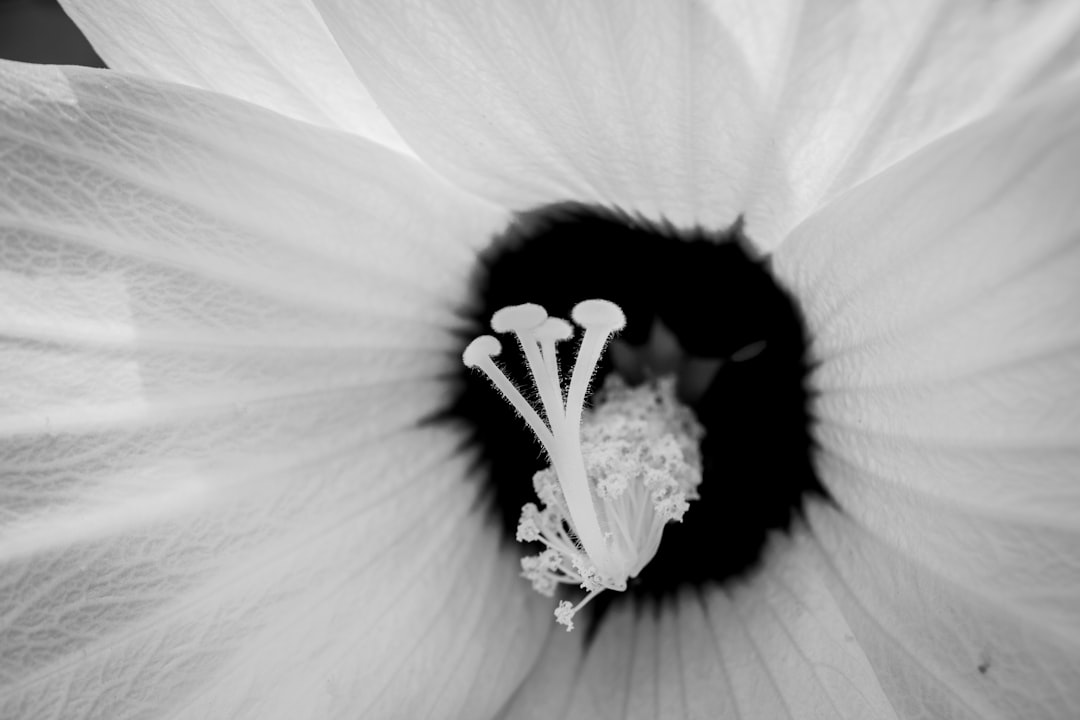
697, 111
529, 103
221, 332
867, 83
943, 299
279, 55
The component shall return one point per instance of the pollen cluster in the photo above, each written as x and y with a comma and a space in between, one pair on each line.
618, 473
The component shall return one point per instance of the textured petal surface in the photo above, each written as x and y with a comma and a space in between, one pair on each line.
944, 301
692, 110
279, 55
531, 102
778, 647
219, 330
867, 83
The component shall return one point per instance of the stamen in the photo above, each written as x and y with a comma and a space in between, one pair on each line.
618, 473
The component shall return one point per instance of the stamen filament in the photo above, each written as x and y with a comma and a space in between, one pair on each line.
478, 355
547, 386
600, 320
570, 467
524, 321
553, 331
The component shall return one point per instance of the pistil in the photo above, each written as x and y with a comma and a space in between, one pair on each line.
618, 473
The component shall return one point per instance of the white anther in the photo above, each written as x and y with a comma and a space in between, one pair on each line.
564, 614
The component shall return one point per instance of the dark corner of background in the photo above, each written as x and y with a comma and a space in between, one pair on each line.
38, 31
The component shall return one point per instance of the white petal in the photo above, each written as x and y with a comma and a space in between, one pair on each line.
649, 106
940, 649
942, 297
787, 648
776, 647
220, 330
279, 55
601, 688
867, 83
546, 692
696, 111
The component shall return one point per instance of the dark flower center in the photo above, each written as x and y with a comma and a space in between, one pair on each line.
709, 309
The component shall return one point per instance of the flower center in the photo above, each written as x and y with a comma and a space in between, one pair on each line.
700, 304
619, 472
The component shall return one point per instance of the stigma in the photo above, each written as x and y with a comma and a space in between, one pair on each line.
618, 473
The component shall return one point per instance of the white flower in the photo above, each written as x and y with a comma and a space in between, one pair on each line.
221, 325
